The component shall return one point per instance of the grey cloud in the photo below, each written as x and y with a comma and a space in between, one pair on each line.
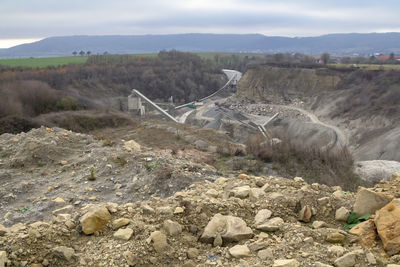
42, 18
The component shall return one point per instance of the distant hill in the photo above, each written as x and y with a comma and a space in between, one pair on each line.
336, 44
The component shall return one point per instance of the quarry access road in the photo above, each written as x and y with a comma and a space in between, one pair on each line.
339, 140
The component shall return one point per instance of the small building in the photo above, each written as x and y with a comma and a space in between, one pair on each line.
386, 58
135, 105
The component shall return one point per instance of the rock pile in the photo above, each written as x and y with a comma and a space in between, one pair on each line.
289, 223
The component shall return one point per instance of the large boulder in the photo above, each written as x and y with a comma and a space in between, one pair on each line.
365, 232
387, 221
95, 219
368, 201
231, 229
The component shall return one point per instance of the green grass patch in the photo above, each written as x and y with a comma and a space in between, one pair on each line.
42, 62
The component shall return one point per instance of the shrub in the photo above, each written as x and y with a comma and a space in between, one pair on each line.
331, 167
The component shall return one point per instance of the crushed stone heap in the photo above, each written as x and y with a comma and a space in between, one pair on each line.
245, 221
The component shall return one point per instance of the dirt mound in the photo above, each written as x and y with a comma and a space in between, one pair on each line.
48, 163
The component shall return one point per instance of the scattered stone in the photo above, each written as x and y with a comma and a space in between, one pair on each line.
95, 219
3, 230
366, 233
233, 228
159, 241
212, 193
192, 253
368, 201
347, 260
262, 216
319, 224
123, 234
64, 253
241, 192
305, 214
3, 258
370, 258
240, 251
132, 146
218, 240
286, 263
338, 251
277, 196
147, 209
298, 179
118, 223
320, 264
64, 210
243, 176
265, 254
172, 228
335, 238
59, 200
179, 210
130, 258
258, 245
341, 214
387, 223
271, 225
255, 194
338, 194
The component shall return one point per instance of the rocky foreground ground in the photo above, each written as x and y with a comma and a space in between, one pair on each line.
225, 221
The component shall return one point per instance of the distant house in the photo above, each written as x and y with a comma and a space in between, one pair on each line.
385, 58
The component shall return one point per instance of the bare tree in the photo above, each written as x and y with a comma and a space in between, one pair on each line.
325, 58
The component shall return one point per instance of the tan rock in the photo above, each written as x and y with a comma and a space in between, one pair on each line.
123, 234
64, 253
305, 214
212, 193
365, 232
59, 200
243, 176
347, 260
319, 224
132, 146
286, 263
387, 221
95, 219
240, 251
3, 258
256, 193
368, 201
342, 214
63, 210
118, 223
159, 241
172, 228
193, 253
232, 229
241, 191
335, 238
262, 216
271, 225
3, 230
179, 210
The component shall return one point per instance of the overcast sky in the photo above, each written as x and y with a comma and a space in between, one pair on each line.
29, 20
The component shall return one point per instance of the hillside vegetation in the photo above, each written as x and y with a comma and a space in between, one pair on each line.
364, 103
104, 82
